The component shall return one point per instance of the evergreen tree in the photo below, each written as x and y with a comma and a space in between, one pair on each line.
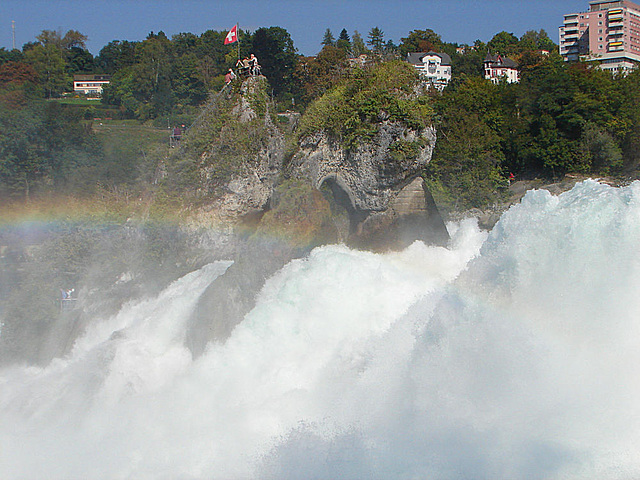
344, 42
376, 39
328, 38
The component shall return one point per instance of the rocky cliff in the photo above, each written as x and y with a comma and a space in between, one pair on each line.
386, 200
372, 183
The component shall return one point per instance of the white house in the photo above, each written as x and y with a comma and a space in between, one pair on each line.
433, 67
90, 84
497, 67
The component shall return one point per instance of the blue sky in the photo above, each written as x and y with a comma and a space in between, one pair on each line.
461, 21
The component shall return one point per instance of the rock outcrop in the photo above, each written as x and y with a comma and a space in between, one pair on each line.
244, 163
383, 195
368, 174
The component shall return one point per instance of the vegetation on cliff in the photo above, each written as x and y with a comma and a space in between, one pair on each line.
352, 111
233, 129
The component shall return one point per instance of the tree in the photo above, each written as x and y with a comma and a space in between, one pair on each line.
187, 84
468, 156
215, 58
74, 39
602, 152
390, 48
42, 146
376, 40
344, 42
318, 74
49, 61
79, 60
18, 82
420, 41
328, 38
184, 43
17, 73
277, 56
357, 45
536, 40
154, 70
49, 37
10, 55
503, 43
116, 55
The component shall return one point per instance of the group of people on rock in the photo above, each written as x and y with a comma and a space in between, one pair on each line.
246, 67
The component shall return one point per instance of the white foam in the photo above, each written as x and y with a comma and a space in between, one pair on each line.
513, 357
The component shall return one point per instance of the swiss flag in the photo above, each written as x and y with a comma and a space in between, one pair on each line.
232, 36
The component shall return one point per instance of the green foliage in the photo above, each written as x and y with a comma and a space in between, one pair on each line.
376, 40
352, 111
277, 56
560, 118
602, 153
10, 55
49, 61
421, 41
44, 146
115, 56
503, 43
466, 164
536, 40
328, 39
402, 151
315, 75
358, 46
344, 41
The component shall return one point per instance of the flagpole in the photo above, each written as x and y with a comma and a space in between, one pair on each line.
238, 30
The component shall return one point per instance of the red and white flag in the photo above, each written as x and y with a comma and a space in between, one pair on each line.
232, 36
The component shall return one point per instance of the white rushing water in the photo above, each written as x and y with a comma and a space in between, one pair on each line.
512, 356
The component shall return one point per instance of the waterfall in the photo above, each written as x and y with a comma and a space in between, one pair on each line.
511, 354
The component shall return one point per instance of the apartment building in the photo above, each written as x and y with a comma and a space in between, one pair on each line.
609, 32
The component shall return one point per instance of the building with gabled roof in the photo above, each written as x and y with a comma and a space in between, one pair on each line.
433, 67
498, 68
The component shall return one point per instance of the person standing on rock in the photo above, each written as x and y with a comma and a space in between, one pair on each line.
253, 63
229, 77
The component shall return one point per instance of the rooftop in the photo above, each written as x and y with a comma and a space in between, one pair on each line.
416, 58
